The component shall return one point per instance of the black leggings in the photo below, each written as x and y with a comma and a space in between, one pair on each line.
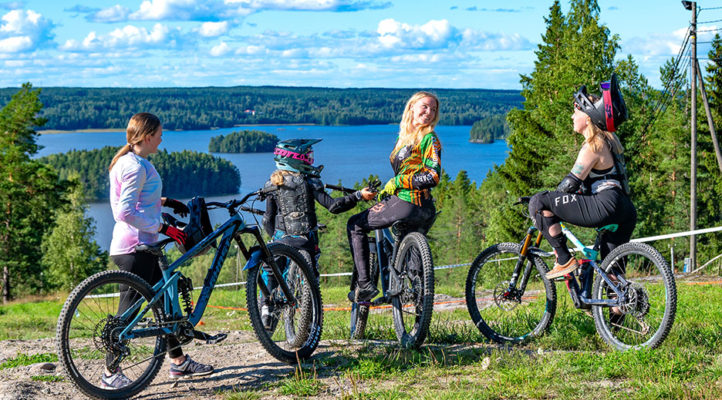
383, 215
609, 206
144, 265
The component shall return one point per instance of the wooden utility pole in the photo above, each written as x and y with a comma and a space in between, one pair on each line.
692, 5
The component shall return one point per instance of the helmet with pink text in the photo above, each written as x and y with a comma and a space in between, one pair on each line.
606, 112
296, 155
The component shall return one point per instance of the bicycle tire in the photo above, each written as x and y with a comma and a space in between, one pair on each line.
417, 289
308, 328
647, 302
507, 317
83, 364
360, 316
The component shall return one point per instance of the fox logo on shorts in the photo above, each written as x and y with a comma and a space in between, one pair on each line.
566, 199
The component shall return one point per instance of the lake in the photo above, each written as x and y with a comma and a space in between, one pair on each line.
349, 154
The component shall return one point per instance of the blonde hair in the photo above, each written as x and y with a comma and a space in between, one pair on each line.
408, 135
140, 126
277, 177
596, 138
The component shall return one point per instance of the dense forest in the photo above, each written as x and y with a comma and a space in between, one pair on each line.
224, 107
184, 174
473, 215
243, 142
489, 129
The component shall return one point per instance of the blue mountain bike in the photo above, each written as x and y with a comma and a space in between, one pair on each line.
93, 335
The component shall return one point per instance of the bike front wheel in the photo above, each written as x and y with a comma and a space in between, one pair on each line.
360, 312
503, 312
88, 328
295, 329
645, 315
413, 305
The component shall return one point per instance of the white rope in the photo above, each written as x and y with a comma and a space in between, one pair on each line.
678, 234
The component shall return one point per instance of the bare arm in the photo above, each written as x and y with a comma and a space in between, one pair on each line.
586, 160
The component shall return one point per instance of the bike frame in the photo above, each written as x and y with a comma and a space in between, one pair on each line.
386, 271
579, 291
167, 288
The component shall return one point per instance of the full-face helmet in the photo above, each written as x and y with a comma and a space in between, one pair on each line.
296, 155
606, 112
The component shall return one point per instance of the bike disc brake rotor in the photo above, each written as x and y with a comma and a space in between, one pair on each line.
637, 301
505, 298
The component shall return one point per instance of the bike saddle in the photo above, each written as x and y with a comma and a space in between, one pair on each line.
608, 228
155, 248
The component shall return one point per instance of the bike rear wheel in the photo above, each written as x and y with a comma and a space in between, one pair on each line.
647, 312
413, 306
360, 312
296, 330
87, 335
504, 314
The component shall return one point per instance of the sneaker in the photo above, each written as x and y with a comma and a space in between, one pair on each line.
114, 382
267, 318
363, 294
189, 368
561, 270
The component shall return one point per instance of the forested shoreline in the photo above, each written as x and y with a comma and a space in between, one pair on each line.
69, 109
184, 174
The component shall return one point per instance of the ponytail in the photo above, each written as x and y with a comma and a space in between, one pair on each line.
123, 151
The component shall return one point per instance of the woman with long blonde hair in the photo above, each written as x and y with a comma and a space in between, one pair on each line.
416, 162
595, 193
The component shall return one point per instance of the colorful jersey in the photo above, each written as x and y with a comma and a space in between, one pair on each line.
417, 169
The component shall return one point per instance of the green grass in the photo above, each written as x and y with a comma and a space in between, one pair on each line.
47, 378
24, 359
459, 363
31, 320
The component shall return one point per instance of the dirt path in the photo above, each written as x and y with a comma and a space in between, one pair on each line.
240, 362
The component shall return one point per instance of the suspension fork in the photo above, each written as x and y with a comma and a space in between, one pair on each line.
261, 250
524, 256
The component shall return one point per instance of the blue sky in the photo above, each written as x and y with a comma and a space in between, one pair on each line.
333, 43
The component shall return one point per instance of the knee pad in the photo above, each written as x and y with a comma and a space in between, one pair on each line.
535, 210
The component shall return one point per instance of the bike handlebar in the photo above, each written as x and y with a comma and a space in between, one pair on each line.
339, 188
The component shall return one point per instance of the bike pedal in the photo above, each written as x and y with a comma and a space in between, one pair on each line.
214, 339
379, 301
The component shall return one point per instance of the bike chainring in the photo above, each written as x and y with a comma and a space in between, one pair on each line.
185, 332
506, 298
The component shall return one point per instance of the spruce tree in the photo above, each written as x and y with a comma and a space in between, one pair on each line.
29, 193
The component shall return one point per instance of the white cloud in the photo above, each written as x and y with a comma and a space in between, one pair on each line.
179, 10
433, 34
213, 29
24, 30
15, 44
116, 13
129, 36
220, 49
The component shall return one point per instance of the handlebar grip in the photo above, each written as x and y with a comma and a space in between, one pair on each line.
253, 210
522, 200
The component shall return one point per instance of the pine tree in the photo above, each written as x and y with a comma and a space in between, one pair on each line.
29, 193
69, 252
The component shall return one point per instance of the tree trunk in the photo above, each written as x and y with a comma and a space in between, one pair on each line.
6, 284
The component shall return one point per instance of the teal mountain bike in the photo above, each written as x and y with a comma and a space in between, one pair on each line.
93, 335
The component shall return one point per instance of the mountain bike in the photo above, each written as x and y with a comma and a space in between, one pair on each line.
632, 294
92, 335
400, 258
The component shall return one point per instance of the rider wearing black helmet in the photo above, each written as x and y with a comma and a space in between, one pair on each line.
595, 193
290, 215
